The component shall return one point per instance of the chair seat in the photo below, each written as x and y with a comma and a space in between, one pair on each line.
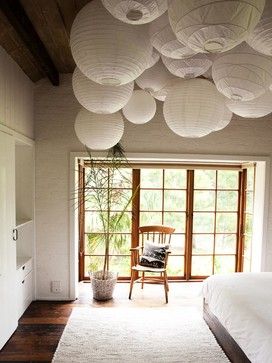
147, 269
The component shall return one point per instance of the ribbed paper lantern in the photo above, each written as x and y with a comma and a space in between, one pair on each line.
259, 107
261, 37
214, 25
165, 41
107, 50
155, 78
242, 73
99, 132
97, 98
136, 11
188, 68
162, 93
141, 107
193, 108
225, 120
155, 57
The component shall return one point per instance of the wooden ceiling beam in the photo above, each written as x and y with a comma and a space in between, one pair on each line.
17, 17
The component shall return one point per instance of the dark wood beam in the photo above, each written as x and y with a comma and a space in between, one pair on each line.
17, 17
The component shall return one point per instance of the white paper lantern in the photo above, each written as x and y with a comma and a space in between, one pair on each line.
193, 108
261, 37
99, 132
155, 78
225, 120
214, 25
97, 98
136, 11
242, 73
259, 107
155, 57
191, 67
107, 50
162, 93
164, 40
141, 107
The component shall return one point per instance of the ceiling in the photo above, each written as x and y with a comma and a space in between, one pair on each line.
36, 35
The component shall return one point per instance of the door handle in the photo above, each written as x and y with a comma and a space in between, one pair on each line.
15, 234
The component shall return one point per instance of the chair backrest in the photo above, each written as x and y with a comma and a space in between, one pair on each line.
156, 234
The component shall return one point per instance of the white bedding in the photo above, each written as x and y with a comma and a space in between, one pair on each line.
243, 304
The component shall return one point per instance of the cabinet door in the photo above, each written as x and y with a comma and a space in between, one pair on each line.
8, 305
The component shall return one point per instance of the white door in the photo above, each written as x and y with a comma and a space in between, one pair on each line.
8, 305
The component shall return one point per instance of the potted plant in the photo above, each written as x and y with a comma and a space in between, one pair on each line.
101, 191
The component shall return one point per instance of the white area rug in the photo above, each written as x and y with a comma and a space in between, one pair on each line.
138, 335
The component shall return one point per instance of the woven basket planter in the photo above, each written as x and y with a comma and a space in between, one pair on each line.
103, 289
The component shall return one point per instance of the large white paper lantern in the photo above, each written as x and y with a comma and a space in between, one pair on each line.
242, 73
193, 108
107, 50
164, 40
99, 132
136, 11
225, 119
191, 67
97, 98
259, 107
154, 78
214, 25
141, 107
261, 37
155, 57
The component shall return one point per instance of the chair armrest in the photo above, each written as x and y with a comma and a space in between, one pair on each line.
138, 248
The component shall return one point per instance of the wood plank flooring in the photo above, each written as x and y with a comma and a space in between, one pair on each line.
41, 326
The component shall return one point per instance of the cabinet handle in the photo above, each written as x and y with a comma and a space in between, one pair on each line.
23, 281
15, 234
23, 267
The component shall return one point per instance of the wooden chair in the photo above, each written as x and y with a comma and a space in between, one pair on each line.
158, 235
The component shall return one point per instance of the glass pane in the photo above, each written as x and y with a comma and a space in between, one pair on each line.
93, 263
204, 200
175, 200
225, 244
96, 177
203, 244
226, 222
93, 222
249, 202
151, 200
227, 201
120, 199
203, 223
202, 265
149, 218
122, 178
205, 179
121, 265
248, 224
247, 254
95, 244
151, 178
176, 220
177, 244
250, 178
175, 266
120, 222
227, 179
224, 264
175, 179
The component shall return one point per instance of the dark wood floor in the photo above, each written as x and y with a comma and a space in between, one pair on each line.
41, 326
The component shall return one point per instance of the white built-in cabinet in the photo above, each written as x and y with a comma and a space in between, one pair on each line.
16, 230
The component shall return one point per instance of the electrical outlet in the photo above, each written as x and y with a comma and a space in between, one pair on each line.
55, 287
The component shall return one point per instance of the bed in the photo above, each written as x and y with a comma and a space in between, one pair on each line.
238, 310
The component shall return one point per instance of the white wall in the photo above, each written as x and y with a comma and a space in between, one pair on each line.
55, 111
16, 96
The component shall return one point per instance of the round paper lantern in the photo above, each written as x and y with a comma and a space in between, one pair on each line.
155, 57
99, 132
214, 25
155, 78
193, 107
136, 11
259, 107
106, 50
165, 41
97, 98
162, 93
225, 120
188, 68
141, 107
261, 37
242, 73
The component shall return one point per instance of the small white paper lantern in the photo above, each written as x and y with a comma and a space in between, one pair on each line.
97, 98
242, 73
136, 11
261, 37
259, 107
162, 93
191, 67
99, 132
214, 25
193, 108
225, 120
141, 107
106, 50
164, 40
155, 57
154, 78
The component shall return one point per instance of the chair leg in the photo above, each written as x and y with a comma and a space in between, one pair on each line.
143, 276
131, 284
165, 286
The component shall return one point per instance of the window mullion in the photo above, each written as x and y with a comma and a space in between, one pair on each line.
189, 223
